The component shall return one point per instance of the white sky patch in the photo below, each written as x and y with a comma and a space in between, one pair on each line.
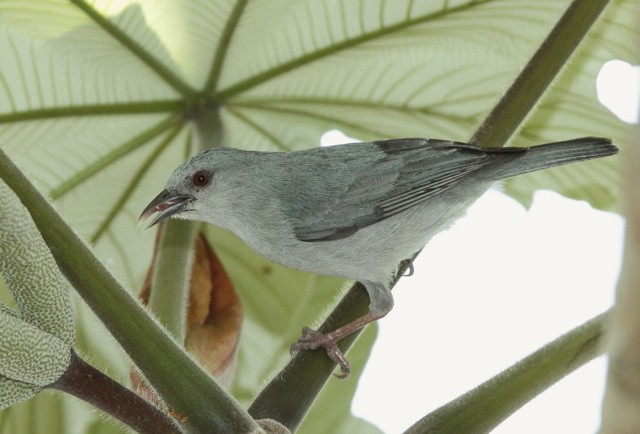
336, 137
486, 293
618, 86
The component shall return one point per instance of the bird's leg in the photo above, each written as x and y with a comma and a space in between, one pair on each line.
381, 302
312, 339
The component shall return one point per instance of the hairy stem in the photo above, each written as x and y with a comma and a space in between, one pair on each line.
537, 75
204, 406
486, 406
169, 296
89, 384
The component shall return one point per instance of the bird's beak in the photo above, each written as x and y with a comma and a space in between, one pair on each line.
164, 206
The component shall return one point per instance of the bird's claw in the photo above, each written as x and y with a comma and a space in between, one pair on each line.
313, 339
410, 269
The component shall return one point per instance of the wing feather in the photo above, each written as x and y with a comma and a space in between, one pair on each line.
384, 178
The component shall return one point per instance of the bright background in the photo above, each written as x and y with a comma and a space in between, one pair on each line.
502, 282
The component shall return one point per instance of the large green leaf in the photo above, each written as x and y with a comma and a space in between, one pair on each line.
99, 101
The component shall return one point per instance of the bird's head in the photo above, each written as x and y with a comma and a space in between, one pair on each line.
189, 190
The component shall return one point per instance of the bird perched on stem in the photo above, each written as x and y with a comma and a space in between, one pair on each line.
355, 210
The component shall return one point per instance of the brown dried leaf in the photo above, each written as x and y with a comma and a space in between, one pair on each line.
215, 314
214, 317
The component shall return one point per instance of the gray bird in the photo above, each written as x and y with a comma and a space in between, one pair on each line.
355, 210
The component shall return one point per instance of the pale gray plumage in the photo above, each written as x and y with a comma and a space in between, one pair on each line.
353, 210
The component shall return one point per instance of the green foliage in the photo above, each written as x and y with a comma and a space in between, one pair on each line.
35, 342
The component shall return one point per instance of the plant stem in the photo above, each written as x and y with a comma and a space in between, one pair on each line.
288, 397
89, 384
184, 386
538, 74
486, 406
169, 296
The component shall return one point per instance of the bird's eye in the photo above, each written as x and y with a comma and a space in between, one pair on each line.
201, 178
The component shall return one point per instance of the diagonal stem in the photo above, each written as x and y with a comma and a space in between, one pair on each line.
538, 74
488, 405
189, 391
93, 386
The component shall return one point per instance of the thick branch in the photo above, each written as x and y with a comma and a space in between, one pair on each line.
185, 387
89, 384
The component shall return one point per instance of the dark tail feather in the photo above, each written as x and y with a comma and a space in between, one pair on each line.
557, 153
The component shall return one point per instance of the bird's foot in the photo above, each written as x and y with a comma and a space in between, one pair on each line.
313, 339
410, 269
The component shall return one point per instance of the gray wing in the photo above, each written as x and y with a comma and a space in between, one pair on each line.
384, 178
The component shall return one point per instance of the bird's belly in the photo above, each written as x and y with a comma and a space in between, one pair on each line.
370, 254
